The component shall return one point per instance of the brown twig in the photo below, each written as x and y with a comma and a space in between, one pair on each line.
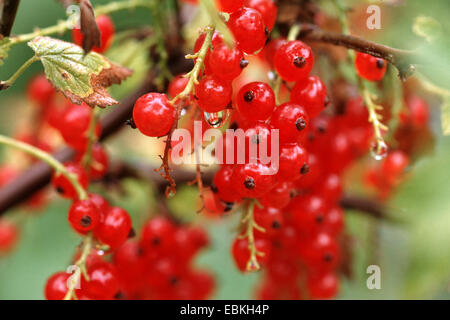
8, 16
403, 60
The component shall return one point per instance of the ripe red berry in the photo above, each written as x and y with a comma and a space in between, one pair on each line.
216, 40
107, 30
213, 94
370, 67
223, 186
8, 235
40, 90
323, 285
226, 63
310, 93
417, 112
114, 228
266, 8
394, 165
271, 49
293, 162
334, 221
291, 120
252, 180
308, 213
271, 219
158, 235
294, 60
99, 163
256, 101
63, 185
56, 286
84, 216
321, 252
241, 252
177, 85
279, 196
153, 114
103, 281
229, 5
100, 202
248, 28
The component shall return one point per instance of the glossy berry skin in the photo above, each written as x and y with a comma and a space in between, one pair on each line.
84, 216
226, 63
294, 60
394, 165
177, 85
213, 94
271, 49
279, 196
107, 31
321, 252
40, 90
252, 180
241, 253
63, 185
56, 286
114, 228
153, 114
293, 161
323, 285
229, 5
310, 93
158, 235
100, 202
291, 120
334, 221
266, 8
308, 213
248, 28
216, 40
103, 281
271, 219
370, 67
8, 235
223, 184
256, 101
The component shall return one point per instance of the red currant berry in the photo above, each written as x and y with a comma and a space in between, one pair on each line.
331, 188
252, 180
64, 186
271, 219
394, 165
323, 285
321, 252
114, 228
334, 221
291, 120
103, 281
56, 286
84, 216
271, 49
241, 252
40, 90
267, 8
226, 63
100, 162
417, 112
158, 235
213, 94
177, 85
100, 202
308, 213
279, 196
248, 28
153, 114
222, 184
256, 101
293, 162
216, 40
310, 93
370, 67
294, 60
229, 5
107, 30
8, 235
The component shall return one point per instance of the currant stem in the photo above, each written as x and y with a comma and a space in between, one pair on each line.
6, 84
47, 158
249, 219
199, 64
92, 138
81, 269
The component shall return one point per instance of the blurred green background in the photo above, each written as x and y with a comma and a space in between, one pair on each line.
414, 254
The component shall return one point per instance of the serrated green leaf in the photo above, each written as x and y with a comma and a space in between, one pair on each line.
4, 49
427, 27
445, 116
80, 77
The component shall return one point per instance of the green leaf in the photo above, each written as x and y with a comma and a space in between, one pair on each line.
81, 77
427, 27
445, 116
4, 49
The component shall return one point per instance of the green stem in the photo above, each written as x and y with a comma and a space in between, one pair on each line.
81, 268
199, 63
65, 25
6, 84
249, 219
92, 138
47, 158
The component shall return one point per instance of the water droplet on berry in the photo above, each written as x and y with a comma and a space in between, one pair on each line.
379, 150
216, 119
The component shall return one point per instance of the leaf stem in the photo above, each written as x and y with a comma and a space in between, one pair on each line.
81, 268
47, 158
6, 84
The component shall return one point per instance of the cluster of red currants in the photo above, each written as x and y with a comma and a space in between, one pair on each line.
156, 266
